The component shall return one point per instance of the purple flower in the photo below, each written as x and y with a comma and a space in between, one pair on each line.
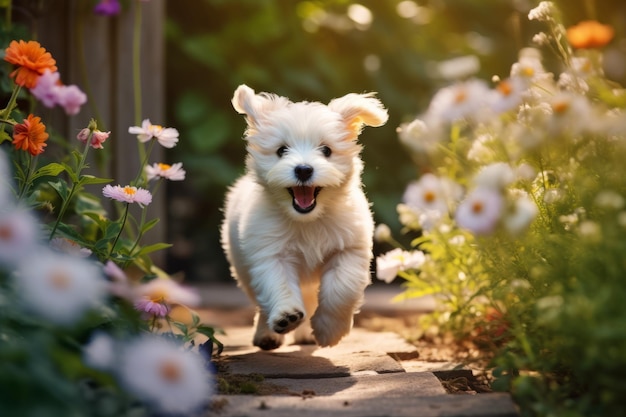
47, 88
107, 8
154, 308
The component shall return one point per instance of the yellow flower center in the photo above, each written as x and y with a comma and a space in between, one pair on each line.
477, 207
158, 295
505, 88
59, 280
6, 233
131, 191
170, 371
164, 167
560, 107
528, 71
460, 97
429, 196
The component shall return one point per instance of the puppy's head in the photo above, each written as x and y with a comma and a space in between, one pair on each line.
305, 154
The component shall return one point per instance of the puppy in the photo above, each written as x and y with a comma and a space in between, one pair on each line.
298, 228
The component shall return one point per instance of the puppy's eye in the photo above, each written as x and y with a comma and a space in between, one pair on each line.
281, 151
326, 151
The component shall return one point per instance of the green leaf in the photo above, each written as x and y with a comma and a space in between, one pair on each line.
153, 248
4, 136
70, 171
90, 179
149, 225
53, 169
61, 188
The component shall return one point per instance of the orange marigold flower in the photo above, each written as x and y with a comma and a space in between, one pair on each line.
32, 60
589, 34
30, 135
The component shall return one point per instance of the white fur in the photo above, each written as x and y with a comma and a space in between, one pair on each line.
294, 265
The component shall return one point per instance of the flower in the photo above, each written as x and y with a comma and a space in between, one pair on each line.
32, 61
128, 194
544, 12
46, 89
18, 235
97, 138
107, 7
30, 135
391, 263
155, 297
167, 137
480, 211
70, 247
382, 233
51, 92
171, 172
99, 352
59, 288
496, 176
461, 100
508, 94
430, 193
164, 376
523, 212
589, 34
70, 97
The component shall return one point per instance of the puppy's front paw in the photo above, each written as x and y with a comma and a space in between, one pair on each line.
329, 330
284, 322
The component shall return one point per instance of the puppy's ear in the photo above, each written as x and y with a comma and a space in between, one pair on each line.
358, 110
255, 106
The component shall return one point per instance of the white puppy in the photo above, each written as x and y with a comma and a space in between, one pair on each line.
298, 228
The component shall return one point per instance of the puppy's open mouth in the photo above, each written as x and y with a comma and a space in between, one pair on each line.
304, 197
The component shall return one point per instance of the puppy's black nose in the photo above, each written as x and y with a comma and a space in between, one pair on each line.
303, 172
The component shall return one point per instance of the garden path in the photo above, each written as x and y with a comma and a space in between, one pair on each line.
368, 374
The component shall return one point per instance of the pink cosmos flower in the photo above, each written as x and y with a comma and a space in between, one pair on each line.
166, 136
107, 8
51, 92
97, 139
46, 89
171, 172
156, 296
128, 194
70, 97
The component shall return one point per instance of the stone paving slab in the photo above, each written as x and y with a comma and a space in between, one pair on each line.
483, 405
361, 351
422, 384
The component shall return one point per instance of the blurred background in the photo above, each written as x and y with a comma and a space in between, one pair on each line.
317, 50
194, 53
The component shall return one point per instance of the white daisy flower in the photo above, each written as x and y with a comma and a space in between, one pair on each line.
508, 94
523, 212
495, 176
164, 376
59, 288
166, 136
170, 172
463, 100
570, 112
391, 263
480, 211
431, 193
70, 247
128, 194
19, 235
99, 352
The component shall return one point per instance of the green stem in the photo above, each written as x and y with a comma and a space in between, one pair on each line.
7, 16
75, 186
121, 230
144, 161
25, 185
5, 114
137, 72
140, 234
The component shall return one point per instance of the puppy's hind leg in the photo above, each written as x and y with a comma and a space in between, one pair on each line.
264, 337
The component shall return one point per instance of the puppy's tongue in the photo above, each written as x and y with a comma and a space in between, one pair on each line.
303, 196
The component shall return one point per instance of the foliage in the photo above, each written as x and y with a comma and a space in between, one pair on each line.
80, 299
523, 223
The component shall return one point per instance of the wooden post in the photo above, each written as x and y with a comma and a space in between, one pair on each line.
96, 53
